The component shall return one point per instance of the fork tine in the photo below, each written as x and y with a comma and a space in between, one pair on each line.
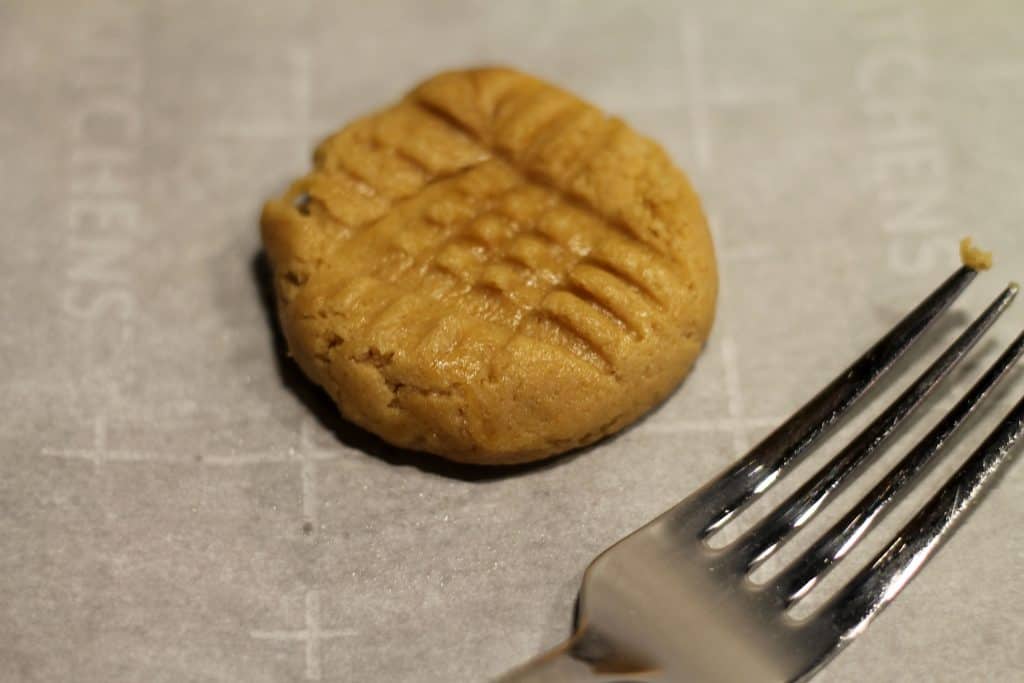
871, 590
741, 483
768, 535
807, 570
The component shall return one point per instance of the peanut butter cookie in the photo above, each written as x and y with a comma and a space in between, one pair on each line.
492, 270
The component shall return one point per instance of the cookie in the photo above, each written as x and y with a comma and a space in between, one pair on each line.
492, 270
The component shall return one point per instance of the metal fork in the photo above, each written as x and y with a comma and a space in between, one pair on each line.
663, 605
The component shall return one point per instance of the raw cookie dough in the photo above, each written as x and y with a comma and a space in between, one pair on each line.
492, 270
974, 257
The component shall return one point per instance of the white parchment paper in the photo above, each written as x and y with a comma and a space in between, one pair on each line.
178, 504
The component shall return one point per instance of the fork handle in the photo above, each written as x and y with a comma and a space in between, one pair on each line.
559, 665
556, 666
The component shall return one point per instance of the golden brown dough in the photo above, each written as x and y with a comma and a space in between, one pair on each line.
492, 270
974, 257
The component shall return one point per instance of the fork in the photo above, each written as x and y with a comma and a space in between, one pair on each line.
664, 605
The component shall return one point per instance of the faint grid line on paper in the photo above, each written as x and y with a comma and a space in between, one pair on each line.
312, 635
310, 499
220, 460
701, 130
699, 120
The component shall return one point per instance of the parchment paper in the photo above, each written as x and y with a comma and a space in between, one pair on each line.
178, 504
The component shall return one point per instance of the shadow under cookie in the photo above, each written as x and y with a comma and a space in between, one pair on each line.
320, 405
